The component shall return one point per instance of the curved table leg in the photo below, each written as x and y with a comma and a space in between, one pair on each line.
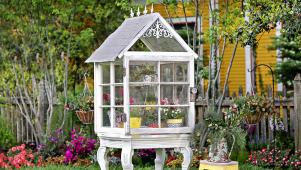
187, 156
160, 159
102, 158
126, 157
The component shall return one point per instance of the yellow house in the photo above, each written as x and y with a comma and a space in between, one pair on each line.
239, 75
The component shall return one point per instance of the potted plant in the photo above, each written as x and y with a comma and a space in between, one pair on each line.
253, 108
224, 134
83, 106
135, 117
173, 117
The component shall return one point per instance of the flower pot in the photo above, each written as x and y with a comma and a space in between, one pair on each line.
174, 123
135, 122
86, 117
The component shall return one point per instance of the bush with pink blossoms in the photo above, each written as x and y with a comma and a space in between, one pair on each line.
18, 157
279, 159
79, 146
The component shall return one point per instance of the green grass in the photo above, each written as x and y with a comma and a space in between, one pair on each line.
95, 167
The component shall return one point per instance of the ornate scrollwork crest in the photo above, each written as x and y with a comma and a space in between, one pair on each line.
158, 30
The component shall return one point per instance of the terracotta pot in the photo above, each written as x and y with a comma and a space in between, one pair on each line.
174, 123
86, 117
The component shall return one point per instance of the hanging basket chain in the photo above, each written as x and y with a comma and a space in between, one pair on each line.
86, 91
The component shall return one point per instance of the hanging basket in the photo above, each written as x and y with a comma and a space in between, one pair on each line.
86, 117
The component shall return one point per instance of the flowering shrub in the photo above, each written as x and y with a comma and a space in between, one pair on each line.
269, 158
278, 159
18, 157
79, 147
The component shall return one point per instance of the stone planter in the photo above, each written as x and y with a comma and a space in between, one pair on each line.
174, 123
86, 117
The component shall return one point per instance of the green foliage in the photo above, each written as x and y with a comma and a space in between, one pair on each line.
254, 107
289, 47
136, 112
229, 128
7, 139
80, 102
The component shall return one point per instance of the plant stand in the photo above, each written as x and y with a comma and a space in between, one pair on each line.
205, 165
181, 143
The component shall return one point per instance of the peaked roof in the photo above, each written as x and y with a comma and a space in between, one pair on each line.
127, 34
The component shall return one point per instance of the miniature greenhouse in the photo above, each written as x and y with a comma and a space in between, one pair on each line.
144, 99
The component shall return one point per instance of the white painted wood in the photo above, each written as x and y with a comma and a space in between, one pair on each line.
187, 157
156, 83
177, 105
159, 56
126, 156
98, 101
112, 94
136, 131
102, 158
126, 95
160, 159
159, 93
247, 68
191, 114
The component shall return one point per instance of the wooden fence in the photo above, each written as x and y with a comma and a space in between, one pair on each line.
287, 108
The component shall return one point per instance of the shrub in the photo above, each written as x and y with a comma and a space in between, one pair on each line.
18, 157
79, 147
7, 138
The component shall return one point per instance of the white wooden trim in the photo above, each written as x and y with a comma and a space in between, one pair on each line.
126, 95
157, 83
156, 55
191, 112
98, 100
183, 105
112, 94
248, 63
111, 130
177, 36
159, 93
161, 130
108, 84
247, 68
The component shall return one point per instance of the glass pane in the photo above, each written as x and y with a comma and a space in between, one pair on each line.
119, 95
119, 117
173, 117
166, 72
106, 95
118, 73
143, 71
175, 94
143, 95
106, 117
144, 117
106, 73
181, 72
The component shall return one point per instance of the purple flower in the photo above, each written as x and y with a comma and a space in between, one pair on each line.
53, 139
68, 156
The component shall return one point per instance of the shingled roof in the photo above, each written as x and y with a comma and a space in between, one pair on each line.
128, 33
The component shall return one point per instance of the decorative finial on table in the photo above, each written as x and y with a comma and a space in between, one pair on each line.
152, 9
132, 13
145, 10
138, 12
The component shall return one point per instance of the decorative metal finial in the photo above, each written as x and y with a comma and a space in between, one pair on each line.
132, 13
138, 12
145, 10
152, 9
